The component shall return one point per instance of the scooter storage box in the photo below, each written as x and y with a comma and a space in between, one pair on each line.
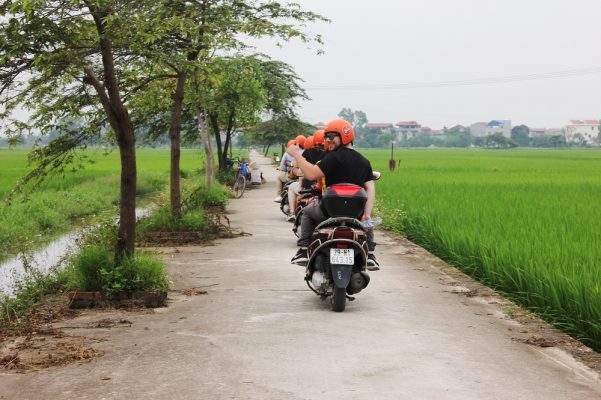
344, 200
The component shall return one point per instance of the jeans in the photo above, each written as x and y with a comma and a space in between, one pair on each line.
313, 216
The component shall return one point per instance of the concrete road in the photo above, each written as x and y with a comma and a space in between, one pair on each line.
260, 333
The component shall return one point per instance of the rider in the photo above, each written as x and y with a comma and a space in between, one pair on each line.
297, 175
285, 167
341, 164
315, 154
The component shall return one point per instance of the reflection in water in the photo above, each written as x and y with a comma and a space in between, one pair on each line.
43, 260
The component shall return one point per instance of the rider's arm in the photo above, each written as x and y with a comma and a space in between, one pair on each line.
283, 162
311, 172
370, 188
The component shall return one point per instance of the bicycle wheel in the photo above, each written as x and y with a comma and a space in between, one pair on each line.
239, 186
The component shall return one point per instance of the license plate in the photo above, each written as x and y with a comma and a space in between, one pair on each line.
342, 256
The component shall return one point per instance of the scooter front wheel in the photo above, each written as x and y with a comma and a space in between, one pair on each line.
339, 299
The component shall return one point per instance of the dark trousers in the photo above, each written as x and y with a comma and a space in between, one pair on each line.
313, 216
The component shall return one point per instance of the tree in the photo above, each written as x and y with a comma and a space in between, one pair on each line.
357, 118
557, 141
184, 35
384, 139
457, 137
241, 89
277, 131
520, 134
498, 141
73, 60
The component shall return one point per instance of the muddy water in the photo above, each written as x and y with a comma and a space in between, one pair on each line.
43, 260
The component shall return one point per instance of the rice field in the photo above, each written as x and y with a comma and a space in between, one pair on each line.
525, 222
63, 200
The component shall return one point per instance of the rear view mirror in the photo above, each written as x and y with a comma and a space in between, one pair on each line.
376, 175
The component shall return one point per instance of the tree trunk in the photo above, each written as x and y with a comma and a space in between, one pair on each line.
203, 128
228, 137
120, 121
267, 150
126, 238
215, 126
175, 136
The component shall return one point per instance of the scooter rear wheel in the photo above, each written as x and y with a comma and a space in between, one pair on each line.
339, 299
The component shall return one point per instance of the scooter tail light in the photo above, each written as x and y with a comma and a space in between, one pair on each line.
344, 234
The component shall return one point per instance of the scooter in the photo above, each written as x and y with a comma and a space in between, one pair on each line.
307, 197
337, 264
284, 206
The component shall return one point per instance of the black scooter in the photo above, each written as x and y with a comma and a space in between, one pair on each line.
337, 262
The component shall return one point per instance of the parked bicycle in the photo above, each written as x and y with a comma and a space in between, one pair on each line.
240, 169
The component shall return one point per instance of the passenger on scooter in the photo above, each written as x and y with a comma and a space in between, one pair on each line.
297, 175
285, 167
341, 164
314, 155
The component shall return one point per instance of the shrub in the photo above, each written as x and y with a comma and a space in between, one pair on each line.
161, 220
203, 197
95, 269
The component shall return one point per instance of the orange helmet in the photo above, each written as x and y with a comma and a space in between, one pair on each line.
290, 143
309, 142
318, 137
300, 141
343, 128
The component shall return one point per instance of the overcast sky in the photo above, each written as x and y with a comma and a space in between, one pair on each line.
375, 43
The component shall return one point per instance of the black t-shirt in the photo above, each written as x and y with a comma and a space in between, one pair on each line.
346, 166
314, 155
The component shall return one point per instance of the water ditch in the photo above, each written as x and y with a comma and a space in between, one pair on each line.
45, 259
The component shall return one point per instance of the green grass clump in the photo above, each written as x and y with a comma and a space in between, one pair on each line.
216, 196
162, 220
94, 268
525, 222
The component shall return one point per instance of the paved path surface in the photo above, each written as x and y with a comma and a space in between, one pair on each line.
260, 334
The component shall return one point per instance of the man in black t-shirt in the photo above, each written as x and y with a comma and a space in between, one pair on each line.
341, 164
314, 154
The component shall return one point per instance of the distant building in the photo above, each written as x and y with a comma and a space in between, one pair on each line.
484, 129
501, 126
320, 125
408, 129
555, 132
380, 126
586, 130
478, 129
536, 132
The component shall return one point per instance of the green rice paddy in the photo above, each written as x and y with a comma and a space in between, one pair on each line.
63, 200
526, 222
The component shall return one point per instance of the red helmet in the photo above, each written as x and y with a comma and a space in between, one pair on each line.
309, 142
318, 137
290, 143
300, 141
343, 128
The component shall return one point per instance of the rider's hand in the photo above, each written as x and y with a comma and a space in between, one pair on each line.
365, 217
294, 151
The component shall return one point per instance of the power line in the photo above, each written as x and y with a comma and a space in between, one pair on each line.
466, 82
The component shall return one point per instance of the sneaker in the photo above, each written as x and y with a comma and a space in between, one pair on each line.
290, 218
278, 199
301, 256
372, 263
